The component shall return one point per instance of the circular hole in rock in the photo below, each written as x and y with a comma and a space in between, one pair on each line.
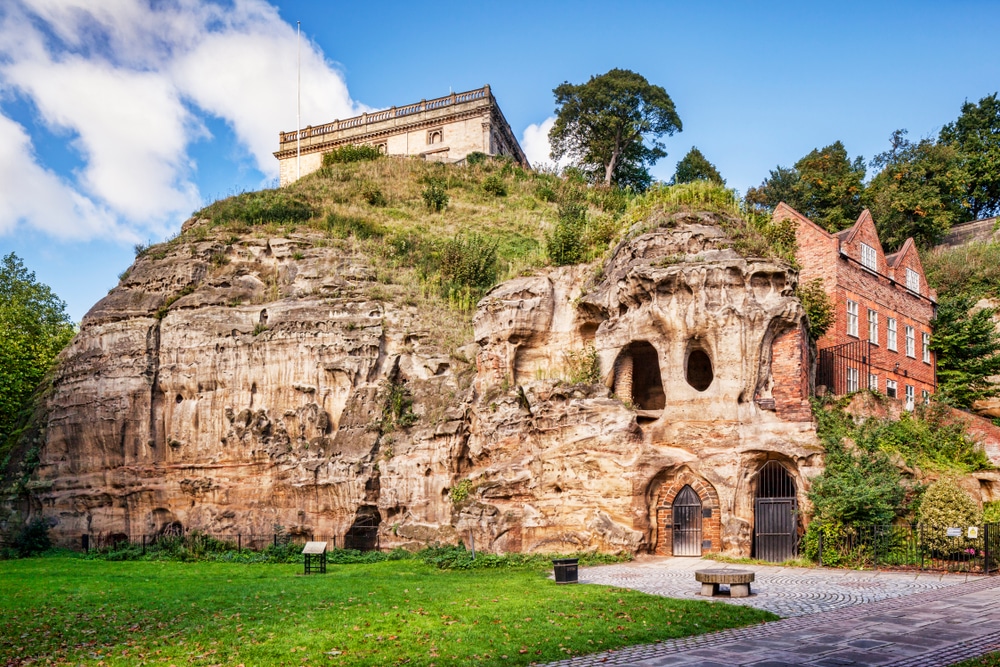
699, 370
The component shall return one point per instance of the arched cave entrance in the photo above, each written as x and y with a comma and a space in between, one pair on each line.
775, 526
363, 534
637, 376
686, 538
698, 369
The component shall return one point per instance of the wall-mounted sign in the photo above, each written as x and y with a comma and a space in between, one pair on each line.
954, 532
973, 532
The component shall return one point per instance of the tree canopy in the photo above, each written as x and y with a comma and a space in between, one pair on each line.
825, 185
975, 136
967, 346
34, 327
611, 126
695, 167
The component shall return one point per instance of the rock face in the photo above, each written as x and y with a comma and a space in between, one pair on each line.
228, 386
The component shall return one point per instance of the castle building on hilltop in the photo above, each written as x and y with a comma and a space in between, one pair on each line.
881, 333
446, 129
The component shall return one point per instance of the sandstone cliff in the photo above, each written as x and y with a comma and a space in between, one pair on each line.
229, 384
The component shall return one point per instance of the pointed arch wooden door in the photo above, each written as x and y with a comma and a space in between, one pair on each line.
686, 537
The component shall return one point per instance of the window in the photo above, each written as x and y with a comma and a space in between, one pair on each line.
852, 318
868, 258
852, 380
913, 281
890, 335
873, 381
890, 388
873, 326
910, 342
909, 397
926, 347
925, 396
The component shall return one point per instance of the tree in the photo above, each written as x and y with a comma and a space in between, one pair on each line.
695, 167
610, 126
825, 186
967, 346
34, 327
976, 137
917, 191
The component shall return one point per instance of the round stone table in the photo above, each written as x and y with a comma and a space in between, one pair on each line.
737, 580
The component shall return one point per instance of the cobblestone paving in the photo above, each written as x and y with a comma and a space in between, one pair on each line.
784, 591
863, 618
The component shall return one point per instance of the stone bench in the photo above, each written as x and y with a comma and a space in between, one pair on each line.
737, 580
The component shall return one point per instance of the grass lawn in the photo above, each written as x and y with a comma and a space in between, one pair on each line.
988, 660
64, 610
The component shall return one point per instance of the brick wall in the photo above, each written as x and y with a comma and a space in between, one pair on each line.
790, 372
711, 527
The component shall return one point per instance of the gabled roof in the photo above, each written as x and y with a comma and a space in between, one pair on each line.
783, 210
847, 235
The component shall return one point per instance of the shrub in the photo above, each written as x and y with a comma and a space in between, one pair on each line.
476, 157
351, 153
33, 538
545, 192
435, 195
566, 245
583, 366
495, 186
372, 194
817, 305
945, 505
469, 262
460, 491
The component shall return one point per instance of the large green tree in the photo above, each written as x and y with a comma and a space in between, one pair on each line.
917, 191
825, 185
611, 127
695, 167
967, 346
34, 327
976, 137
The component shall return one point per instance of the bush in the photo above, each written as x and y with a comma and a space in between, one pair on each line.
817, 305
566, 245
33, 538
435, 196
469, 261
583, 366
373, 194
495, 186
259, 208
476, 157
945, 505
351, 153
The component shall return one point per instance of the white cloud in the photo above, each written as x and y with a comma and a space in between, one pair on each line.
536, 146
129, 83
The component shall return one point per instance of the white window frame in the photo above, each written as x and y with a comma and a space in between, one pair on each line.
925, 338
890, 334
852, 318
873, 382
911, 342
869, 258
926, 396
913, 281
910, 397
873, 326
890, 388
852, 380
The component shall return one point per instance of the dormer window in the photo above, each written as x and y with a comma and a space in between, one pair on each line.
868, 257
913, 281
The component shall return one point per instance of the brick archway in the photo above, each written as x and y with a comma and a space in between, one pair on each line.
670, 485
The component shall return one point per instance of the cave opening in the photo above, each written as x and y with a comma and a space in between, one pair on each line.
363, 534
698, 371
637, 376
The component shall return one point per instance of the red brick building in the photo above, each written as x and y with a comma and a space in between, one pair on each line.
883, 305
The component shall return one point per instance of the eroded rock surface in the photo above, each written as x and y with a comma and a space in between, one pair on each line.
232, 385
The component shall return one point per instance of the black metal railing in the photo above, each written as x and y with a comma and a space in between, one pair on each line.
199, 541
843, 369
974, 549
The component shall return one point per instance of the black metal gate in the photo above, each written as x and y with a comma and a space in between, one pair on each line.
775, 525
844, 369
687, 523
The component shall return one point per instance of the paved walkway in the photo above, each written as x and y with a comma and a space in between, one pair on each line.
863, 618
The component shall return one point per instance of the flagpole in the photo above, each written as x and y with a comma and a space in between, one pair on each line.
298, 101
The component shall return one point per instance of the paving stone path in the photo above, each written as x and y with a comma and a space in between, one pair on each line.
856, 618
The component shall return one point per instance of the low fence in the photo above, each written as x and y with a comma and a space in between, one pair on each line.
216, 541
973, 549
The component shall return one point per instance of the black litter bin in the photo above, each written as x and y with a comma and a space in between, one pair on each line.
566, 570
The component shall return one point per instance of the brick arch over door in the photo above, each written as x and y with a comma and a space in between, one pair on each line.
672, 481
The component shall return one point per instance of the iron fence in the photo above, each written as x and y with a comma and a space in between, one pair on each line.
972, 549
844, 369
199, 541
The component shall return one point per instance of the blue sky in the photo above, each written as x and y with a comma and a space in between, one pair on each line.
116, 123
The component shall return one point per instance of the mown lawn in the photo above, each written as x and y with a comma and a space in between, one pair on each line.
64, 610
